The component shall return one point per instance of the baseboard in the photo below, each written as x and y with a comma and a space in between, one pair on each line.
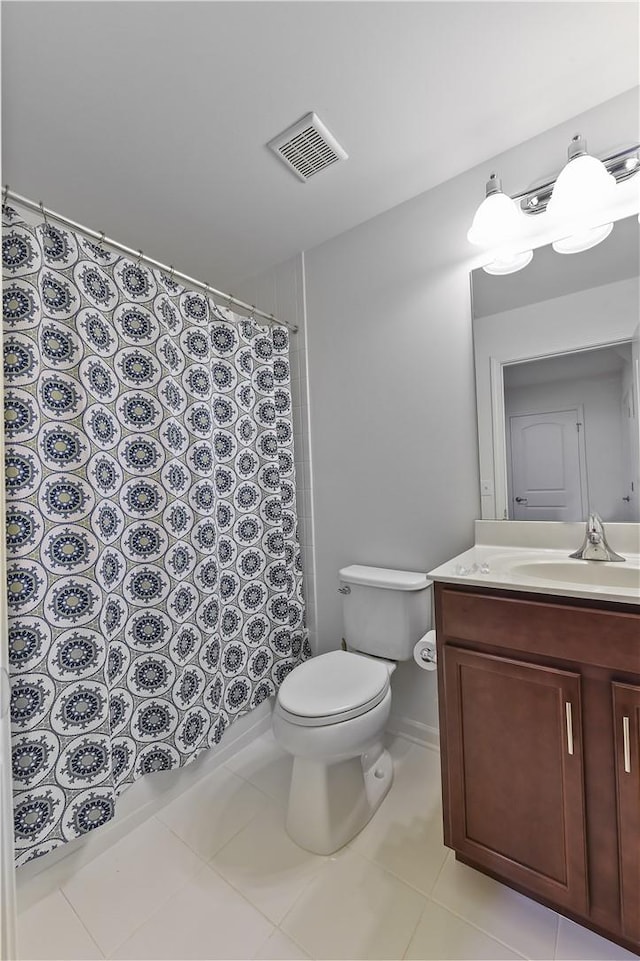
415, 731
140, 801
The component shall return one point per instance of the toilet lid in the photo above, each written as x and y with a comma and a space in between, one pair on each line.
337, 683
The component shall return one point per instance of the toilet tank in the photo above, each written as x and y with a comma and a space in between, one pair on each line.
384, 612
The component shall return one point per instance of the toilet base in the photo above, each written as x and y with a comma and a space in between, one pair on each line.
330, 803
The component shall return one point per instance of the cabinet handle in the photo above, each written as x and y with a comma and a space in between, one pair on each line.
626, 745
567, 708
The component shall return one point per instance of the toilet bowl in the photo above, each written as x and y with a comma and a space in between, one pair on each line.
331, 711
330, 714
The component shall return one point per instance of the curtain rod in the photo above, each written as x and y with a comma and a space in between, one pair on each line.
140, 257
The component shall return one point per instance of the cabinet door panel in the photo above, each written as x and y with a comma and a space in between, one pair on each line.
515, 772
626, 721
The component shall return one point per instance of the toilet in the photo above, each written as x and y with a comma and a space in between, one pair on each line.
332, 710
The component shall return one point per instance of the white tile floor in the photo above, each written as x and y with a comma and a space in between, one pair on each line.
214, 875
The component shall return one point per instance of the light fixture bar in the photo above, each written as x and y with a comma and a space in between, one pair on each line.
534, 201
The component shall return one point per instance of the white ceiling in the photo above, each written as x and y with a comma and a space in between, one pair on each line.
583, 364
149, 120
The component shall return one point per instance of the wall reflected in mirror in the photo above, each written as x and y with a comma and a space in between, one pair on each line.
557, 380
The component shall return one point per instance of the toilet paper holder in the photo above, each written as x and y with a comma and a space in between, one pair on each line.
425, 653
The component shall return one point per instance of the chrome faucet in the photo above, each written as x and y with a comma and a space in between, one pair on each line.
595, 547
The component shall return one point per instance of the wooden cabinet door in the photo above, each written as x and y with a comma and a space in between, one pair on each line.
515, 777
626, 721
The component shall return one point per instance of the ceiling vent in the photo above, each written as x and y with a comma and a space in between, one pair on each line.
307, 147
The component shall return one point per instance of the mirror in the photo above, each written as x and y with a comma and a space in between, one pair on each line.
557, 360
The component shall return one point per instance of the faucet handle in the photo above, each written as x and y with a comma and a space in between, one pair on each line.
595, 528
595, 547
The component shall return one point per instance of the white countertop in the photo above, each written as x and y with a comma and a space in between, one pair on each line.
510, 568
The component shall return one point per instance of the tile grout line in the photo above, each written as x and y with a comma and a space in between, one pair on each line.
264, 943
398, 877
437, 878
484, 931
415, 928
275, 925
204, 865
477, 927
394, 874
156, 906
244, 897
254, 785
209, 862
309, 881
91, 937
292, 939
202, 857
323, 870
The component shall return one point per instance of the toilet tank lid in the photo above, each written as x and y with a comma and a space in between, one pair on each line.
381, 577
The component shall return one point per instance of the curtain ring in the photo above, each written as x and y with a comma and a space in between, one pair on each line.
171, 270
140, 256
252, 312
5, 193
231, 301
44, 216
101, 240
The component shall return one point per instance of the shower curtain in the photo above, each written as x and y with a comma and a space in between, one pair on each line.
154, 576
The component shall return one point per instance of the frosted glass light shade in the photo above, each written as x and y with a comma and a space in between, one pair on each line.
582, 239
583, 186
496, 221
579, 204
509, 264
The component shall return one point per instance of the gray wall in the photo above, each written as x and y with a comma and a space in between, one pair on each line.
392, 396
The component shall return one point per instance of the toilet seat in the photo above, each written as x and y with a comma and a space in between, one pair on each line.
331, 688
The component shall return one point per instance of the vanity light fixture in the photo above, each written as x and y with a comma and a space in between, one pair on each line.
579, 200
497, 224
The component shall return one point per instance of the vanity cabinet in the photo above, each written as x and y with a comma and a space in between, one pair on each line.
540, 769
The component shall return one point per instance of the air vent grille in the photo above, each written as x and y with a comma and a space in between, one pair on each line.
307, 147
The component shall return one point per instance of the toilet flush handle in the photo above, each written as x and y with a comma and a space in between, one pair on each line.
344, 590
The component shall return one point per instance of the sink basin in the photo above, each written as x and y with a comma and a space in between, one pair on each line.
581, 572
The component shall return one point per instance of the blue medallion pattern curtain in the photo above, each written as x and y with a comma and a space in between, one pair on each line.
154, 577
